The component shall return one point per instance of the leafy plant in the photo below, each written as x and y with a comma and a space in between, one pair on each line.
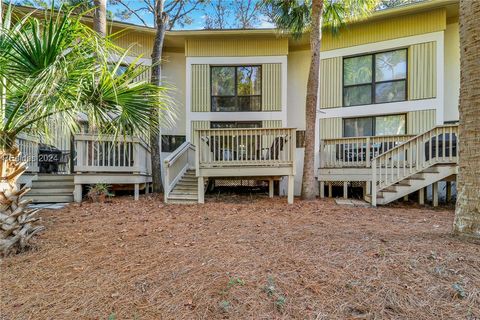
99, 192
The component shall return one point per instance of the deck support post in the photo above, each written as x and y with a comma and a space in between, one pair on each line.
77, 193
435, 194
201, 189
147, 186
270, 188
448, 197
136, 191
368, 187
421, 196
291, 182
330, 193
345, 189
322, 189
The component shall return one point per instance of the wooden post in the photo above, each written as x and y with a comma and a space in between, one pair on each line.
147, 186
291, 182
322, 189
435, 194
364, 189
374, 183
136, 191
448, 197
345, 189
330, 193
270, 188
367, 156
77, 193
421, 196
201, 190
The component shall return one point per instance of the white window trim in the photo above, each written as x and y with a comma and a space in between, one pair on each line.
393, 107
234, 116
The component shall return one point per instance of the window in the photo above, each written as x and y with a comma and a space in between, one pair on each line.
374, 126
236, 124
375, 78
171, 143
236, 88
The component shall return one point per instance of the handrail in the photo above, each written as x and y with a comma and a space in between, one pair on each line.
438, 145
176, 164
107, 153
28, 146
356, 151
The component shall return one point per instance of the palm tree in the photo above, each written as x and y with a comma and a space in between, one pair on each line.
53, 70
301, 16
467, 212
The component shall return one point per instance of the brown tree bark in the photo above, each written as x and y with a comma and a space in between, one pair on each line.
467, 212
161, 22
308, 181
100, 17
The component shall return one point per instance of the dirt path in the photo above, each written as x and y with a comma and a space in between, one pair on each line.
250, 258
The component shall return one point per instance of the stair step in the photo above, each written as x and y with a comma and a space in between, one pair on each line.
182, 197
48, 191
403, 184
430, 170
417, 176
187, 184
53, 198
55, 177
51, 184
187, 202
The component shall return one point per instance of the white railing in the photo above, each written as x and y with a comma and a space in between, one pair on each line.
98, 153
28, 147
356, 151
272, 147
176, 164
438, 145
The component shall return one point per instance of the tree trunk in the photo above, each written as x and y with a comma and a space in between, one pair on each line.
308, 180
161, 21
17, 224
100, 17
467, 212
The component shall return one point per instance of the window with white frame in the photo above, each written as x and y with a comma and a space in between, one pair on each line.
374, 126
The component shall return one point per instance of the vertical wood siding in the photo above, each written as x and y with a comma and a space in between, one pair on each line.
272, 123
200, 88
198, 125
422, 69
239, 47
272, 87
331, 73
420, 121
145, 76
331, 128
386, 29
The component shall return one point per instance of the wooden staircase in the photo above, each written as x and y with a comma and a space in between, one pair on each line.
185, 190
51, 188
419, 162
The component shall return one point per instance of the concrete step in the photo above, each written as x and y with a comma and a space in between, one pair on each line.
53, 198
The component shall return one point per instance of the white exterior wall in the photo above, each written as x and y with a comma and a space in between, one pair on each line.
452, 72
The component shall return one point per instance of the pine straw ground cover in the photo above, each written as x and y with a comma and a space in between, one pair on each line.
243, 258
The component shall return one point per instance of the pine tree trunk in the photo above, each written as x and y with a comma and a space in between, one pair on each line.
467, 213
17, 223
161, 21
308, 180
100, 17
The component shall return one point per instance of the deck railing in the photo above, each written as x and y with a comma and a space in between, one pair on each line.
269, 147
176, 164
438, 145
97, 153
356, 152
28, 151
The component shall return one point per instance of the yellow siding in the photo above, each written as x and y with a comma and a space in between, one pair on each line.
272, 87
386, 29
272, 123
206, 47
331, 72
420, 121
198, 125
200, 88
331, 128
138, 44
422, 71
145, 76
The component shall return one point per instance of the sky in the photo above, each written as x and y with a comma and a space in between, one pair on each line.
198, 17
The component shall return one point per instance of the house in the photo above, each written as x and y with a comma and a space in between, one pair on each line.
386, 117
